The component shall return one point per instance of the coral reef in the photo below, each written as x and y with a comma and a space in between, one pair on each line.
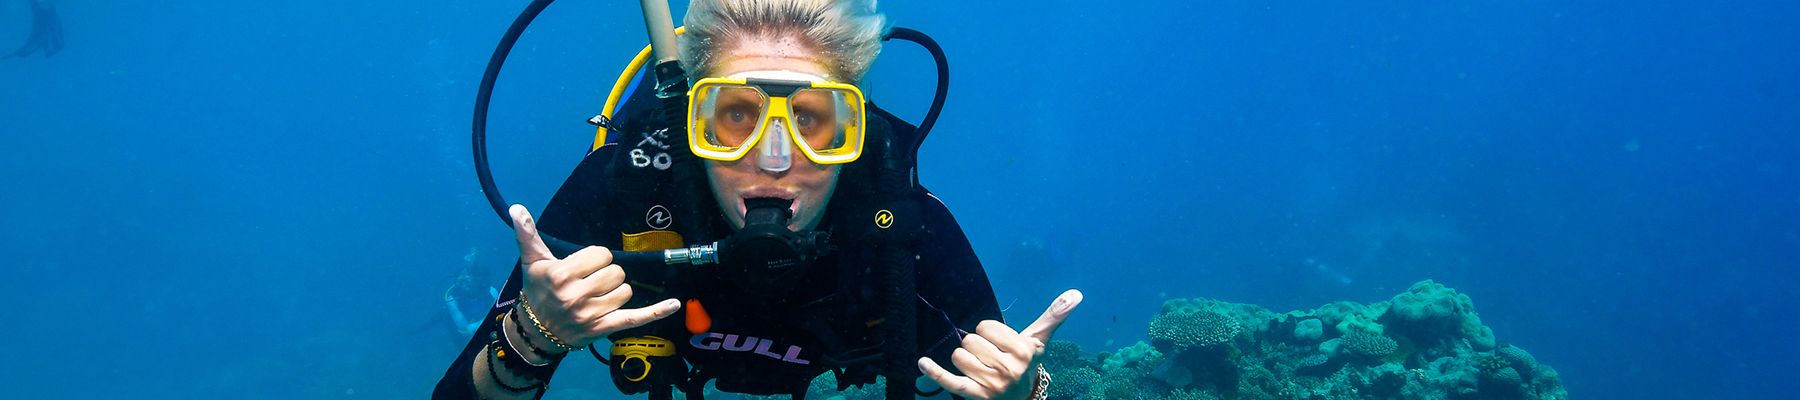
1424, 344
1427, 344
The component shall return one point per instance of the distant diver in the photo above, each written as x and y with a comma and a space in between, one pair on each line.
469, 292
46, 32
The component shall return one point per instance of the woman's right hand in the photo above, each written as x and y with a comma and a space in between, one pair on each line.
577, 299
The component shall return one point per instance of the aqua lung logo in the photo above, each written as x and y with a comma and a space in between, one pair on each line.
884, 219
658, 217
742, 343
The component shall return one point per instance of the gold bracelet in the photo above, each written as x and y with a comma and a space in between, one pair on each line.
526, 305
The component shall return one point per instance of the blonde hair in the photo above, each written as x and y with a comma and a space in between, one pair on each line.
845, 33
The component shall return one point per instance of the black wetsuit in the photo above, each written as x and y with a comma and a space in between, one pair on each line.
767, 349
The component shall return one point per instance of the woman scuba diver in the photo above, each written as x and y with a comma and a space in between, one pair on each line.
783, 236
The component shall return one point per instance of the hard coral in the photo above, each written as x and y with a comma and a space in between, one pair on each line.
1182, 330
1138, 356
1309, 330
1070, 383
1368, 344
1059, 353
1428, 300
1521, 360
1426, 344
1432, 312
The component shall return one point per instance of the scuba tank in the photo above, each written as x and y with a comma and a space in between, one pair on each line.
675, 240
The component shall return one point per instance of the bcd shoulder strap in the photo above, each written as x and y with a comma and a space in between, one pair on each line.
651, 208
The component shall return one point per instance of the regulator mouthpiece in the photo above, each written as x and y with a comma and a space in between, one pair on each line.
765, 257
767, 212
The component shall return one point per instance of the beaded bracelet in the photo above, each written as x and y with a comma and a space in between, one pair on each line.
519, 327
496, 358
526, 305
513, 358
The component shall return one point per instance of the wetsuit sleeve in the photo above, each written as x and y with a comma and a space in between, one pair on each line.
572, 215
952, 280
459, 381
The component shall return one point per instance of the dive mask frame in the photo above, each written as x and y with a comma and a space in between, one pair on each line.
776, 106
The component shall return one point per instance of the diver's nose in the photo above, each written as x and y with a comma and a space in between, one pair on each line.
775, 154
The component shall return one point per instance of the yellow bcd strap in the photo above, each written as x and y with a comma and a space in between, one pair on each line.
651, 240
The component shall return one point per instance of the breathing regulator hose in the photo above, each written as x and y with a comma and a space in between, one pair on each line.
943, 79
656, 18
483, 96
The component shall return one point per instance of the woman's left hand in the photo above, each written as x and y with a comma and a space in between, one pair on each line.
999, 363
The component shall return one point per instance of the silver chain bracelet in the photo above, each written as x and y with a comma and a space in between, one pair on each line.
1041, 390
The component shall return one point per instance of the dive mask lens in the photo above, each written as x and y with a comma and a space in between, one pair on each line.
828, 122
728, 116
727, 119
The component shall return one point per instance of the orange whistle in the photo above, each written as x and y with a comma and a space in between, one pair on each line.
697, 320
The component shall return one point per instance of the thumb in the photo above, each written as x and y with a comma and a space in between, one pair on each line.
1053, 317
531, 247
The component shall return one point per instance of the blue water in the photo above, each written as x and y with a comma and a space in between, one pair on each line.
222, 199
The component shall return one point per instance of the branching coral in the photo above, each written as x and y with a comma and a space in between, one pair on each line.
1181, 330
1368, 344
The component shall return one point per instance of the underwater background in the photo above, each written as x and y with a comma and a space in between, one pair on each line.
220, 199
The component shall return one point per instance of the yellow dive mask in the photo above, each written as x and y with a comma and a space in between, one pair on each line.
728, 116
